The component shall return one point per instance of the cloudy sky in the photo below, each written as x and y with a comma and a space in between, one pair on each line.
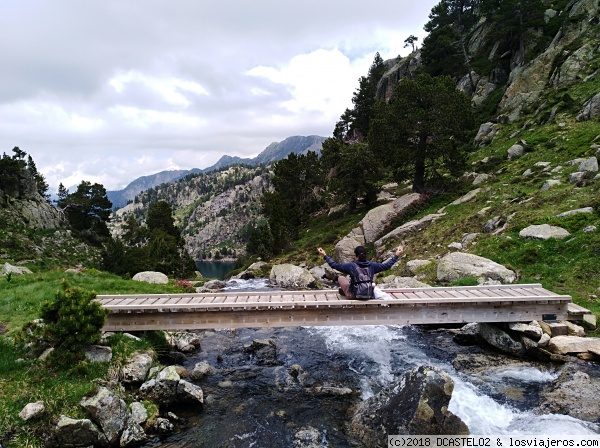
111, 90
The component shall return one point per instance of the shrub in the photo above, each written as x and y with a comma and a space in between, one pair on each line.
71, 322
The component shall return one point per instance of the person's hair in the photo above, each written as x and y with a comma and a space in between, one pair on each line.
361, 253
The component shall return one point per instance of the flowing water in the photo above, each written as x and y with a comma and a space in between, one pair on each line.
256, 402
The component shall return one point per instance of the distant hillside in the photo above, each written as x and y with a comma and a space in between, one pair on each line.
275, 151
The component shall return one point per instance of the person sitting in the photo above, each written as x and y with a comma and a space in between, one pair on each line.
361, 271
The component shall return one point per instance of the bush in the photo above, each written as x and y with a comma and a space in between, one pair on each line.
72, 322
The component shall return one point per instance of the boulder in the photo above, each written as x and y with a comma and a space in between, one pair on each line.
290, 276
531, 331
98, 353
573, 344
378, 219
543, 232
467, 197
591, 108
202, 370
457, 265
549, 184
408, 228
486, 133
137, 413
137, 368
15, 270
573, 393
168, 388
344, 249
264, 350
72, 433
416, 266
515, 151
133, 435
481, 178
183, 341
151, 277
32, 410
500, 339
417, 404
589, 165
393, 282
108, 411
575, 212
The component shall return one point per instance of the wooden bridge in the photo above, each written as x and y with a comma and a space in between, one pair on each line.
234, 309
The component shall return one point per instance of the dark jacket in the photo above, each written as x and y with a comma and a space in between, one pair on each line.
374, 268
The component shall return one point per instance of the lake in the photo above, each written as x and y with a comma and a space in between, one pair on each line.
215, 269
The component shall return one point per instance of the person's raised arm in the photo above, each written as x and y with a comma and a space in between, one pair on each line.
399, 251
321, 251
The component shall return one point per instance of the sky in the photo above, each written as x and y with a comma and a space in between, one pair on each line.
110, 90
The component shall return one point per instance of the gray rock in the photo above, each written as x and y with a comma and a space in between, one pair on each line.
190, 393
494, 223
377, 219
137, 413
414, 267
307, 437
575, 212
108, 411
578, 176
408, 228
265, 351
543, 232
290, 276
459, 265
467, 197
151, 277
344, 249
486, 133
137, 368
163, 426
515, 151
500, 339
589, 165
214, 285
549, 184
481, 178
71, 433
32, 410
98, 353
393, 282
589, 229
15, 270
417, 404
183, 341
133, 435
591, 108
202, 370
573, 393
532, 331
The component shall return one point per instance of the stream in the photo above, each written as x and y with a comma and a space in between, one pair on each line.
319, 373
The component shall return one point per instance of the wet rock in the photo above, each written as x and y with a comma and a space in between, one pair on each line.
307, 437
108, 411
151, 277
163, 426
202, 370
137, 368
457, 265
214, 285
543, 232
265, 351
32, 410
500, 339
467, 335
133, 435
72, 433
417, 404
168, 388
573, 393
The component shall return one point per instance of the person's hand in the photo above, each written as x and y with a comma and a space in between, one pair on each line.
399, 251
321, 251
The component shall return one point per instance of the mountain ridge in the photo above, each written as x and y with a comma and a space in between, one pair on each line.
274, 151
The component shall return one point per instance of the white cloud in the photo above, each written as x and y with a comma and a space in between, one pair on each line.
108, 91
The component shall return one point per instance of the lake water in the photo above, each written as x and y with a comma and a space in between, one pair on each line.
215, 269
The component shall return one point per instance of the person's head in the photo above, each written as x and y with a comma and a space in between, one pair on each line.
361, 253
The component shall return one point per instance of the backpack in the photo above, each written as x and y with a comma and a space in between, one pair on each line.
361, 283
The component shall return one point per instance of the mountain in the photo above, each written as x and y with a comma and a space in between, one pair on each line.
275, 151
